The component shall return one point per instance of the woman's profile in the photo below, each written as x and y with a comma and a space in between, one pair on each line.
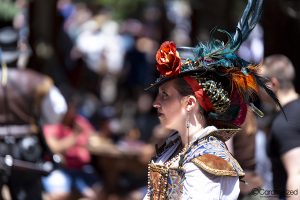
203, 95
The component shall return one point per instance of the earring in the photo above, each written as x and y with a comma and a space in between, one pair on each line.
188, 127
188, 120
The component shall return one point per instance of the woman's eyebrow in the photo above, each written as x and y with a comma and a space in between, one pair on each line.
162, 89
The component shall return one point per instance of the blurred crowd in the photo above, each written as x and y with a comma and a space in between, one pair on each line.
103, 130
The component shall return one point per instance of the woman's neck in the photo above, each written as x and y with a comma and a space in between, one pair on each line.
191, 125
188, 134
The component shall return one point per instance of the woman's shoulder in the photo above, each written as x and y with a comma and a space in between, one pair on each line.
211, 155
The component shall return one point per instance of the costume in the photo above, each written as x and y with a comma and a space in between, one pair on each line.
284, 136
207, 156
224, 85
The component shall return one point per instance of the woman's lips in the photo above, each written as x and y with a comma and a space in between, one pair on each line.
159, 114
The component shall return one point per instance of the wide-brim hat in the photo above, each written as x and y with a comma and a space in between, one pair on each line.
223, 83
186, 56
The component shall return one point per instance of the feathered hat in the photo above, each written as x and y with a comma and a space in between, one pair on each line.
223, 83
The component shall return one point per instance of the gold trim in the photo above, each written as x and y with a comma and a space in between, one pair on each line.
158, 168
216, 172
157, 182
225, 134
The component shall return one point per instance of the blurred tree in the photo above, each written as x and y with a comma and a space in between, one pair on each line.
45, 29
7, 10
122, 8
151, 12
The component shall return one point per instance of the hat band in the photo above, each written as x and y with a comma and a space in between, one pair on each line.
199, 93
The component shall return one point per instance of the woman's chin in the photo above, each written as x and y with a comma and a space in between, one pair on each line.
162, 122
166, 125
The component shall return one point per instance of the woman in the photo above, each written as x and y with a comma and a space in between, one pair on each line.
203, 94
178, 109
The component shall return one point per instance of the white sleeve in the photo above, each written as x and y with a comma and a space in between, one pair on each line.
198, 183
54, 106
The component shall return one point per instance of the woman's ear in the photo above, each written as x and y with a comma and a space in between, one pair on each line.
191, 102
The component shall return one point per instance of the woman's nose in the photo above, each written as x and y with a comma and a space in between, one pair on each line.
156, 103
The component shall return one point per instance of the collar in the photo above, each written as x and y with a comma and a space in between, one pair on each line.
202, 133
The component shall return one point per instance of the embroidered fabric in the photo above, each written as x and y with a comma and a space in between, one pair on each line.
167, 181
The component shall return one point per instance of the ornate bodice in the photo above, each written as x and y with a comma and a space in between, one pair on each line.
165, 181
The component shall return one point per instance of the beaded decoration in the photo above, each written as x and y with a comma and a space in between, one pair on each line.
218, 96
158, 176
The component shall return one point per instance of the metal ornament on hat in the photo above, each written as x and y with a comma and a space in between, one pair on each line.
219, 97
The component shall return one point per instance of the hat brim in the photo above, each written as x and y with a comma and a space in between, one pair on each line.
161, 80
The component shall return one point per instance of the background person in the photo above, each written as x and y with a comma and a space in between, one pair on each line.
70, 140
27, 99
284, 134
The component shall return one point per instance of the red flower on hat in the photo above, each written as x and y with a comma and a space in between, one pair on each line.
168, 60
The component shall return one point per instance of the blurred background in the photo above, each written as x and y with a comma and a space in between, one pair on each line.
104, 51
65, 35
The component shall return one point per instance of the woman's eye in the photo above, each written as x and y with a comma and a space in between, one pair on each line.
164, 95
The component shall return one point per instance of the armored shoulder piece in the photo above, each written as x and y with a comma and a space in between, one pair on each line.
211, 155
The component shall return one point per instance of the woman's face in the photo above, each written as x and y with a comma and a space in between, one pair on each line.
170, 106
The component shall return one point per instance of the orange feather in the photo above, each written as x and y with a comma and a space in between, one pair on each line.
246, 85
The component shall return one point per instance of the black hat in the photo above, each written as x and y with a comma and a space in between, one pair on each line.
223, 83
8, 45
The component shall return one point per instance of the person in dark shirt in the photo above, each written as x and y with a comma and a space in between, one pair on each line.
284, 134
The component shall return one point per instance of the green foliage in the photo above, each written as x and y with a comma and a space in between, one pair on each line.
122, 8
7, 10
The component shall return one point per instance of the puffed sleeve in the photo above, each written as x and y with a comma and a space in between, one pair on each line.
198, 183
